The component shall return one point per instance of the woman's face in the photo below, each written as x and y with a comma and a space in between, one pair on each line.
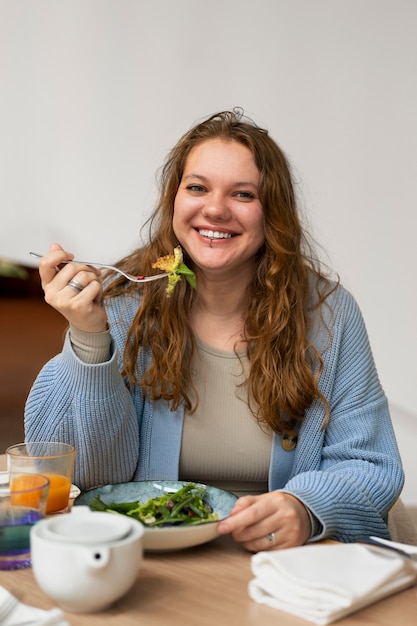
217, 213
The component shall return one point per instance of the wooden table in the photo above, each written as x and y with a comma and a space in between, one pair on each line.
202, 586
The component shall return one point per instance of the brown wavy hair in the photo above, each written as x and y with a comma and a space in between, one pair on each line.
284, 367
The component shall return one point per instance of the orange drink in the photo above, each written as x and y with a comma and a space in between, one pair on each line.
59, 490
51, 459
24, 490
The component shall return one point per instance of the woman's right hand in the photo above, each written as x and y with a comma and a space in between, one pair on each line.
82, 309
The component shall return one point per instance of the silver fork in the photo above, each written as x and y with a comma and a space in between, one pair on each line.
374, 541
133, 279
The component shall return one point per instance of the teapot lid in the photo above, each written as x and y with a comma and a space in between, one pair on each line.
87, 527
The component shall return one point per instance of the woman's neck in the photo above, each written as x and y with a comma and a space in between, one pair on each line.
217, 315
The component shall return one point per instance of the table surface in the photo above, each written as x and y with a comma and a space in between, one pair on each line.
204, 585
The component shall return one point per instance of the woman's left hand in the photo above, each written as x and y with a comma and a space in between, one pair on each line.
272, 520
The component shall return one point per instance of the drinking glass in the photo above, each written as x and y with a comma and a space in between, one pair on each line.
52, 459
21, 506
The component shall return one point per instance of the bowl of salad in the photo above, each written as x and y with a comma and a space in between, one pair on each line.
175, 514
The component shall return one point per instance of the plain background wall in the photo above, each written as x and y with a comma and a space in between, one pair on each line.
95, 92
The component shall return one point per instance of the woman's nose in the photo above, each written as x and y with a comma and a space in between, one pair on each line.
216, 206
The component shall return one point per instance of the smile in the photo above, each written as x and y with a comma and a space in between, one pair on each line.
214, 234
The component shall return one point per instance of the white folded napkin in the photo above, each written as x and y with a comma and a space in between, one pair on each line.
21, 613
322, 583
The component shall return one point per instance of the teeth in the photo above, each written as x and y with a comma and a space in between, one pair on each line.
214, 234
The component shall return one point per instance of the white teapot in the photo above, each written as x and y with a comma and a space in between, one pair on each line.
86, 560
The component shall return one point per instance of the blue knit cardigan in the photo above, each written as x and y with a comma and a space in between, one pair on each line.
349, 474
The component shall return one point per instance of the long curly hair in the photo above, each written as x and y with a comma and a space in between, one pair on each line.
282, 378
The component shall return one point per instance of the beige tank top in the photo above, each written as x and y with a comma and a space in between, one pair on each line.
222, 442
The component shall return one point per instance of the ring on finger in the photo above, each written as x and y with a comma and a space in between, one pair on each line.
75, 285
271, 539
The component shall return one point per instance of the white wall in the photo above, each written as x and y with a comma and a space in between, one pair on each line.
95, 92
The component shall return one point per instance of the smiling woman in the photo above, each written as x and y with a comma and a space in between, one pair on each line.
260, 380
363, 183
218, 217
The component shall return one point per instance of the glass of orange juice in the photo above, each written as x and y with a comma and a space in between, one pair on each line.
52, 459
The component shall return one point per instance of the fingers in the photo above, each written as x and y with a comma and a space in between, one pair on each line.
56, 260
271, 521
83, 285
77, 295
50, 264
250, 510
73, 272
73, 289
56, 283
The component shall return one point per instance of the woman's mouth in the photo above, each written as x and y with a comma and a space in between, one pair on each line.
214, 234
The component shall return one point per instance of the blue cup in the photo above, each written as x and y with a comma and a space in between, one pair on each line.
21, 506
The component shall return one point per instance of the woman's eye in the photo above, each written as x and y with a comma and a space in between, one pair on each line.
245, 195
195, 188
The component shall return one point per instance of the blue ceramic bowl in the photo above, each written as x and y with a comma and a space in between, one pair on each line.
171, 537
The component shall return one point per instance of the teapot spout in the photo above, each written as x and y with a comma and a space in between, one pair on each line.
98, 558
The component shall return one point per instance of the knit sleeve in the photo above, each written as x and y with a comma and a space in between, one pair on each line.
349, 474
89, 406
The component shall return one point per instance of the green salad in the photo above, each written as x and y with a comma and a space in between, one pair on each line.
186, 507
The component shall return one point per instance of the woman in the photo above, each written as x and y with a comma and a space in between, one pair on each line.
261, 380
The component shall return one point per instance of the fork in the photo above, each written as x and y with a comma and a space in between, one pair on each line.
133, 279
374, 541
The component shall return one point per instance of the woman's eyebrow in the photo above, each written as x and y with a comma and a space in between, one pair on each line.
243, 183
198, 176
